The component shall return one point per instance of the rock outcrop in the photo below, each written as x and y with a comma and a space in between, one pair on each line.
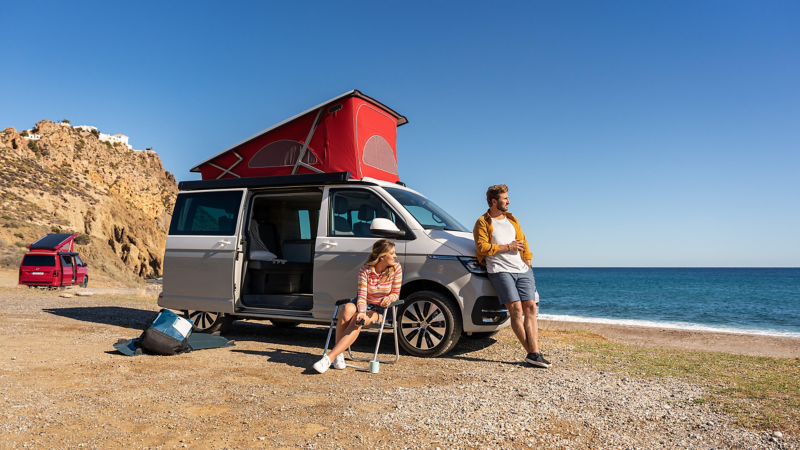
70, 181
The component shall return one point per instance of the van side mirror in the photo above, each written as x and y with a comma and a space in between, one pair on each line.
385, 228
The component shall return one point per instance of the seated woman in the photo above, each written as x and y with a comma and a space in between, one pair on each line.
379, 283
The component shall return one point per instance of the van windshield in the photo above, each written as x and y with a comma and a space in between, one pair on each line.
430, 216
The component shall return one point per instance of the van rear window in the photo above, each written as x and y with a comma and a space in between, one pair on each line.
39, 260
206, 214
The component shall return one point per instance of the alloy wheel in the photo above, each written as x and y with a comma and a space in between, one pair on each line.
423, 325
203, 320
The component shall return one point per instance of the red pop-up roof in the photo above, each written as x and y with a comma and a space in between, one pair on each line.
350, 133
58, 242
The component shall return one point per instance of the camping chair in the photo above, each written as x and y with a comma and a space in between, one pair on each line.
393, 306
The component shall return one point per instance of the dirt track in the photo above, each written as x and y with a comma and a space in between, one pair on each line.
63, 386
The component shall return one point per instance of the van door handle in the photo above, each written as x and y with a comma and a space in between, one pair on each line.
224, 242
330, 244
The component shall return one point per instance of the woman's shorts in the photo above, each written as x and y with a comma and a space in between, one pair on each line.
513, 287
370, 307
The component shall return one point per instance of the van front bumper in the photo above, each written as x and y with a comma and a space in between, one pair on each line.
482, 310
488, 311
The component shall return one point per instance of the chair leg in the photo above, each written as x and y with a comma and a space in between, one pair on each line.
378, 345
330, 329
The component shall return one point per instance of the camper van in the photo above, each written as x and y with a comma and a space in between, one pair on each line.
52, 262
274, 231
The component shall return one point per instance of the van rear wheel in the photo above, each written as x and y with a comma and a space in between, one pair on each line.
209, 322
430, 324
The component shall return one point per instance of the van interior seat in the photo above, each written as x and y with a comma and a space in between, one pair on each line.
366, 213
341, 226
263, 234
381, 213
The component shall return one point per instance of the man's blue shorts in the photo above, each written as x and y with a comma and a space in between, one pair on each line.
513, 287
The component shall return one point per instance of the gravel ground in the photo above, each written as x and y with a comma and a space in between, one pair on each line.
63, 386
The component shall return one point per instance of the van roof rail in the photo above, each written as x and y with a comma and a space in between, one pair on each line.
280, 180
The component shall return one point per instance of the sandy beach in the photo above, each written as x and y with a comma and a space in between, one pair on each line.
63, 386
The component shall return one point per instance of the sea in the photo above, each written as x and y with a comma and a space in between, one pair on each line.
736, 300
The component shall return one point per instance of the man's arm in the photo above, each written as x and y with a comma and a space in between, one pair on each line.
527, 256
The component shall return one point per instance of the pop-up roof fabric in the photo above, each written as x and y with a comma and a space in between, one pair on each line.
354, 134
54, 242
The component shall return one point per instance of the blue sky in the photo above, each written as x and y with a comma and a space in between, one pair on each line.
630, 133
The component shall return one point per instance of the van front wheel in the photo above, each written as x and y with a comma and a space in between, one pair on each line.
209, 322
430, 324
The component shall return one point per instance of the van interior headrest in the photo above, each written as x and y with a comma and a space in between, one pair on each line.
261, 215
366, 213
340, 205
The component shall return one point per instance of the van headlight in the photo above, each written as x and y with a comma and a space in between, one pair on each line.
472, 265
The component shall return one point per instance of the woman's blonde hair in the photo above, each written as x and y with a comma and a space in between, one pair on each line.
380, 249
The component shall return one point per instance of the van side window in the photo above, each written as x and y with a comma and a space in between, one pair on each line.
206, 214
304, 217
353, 210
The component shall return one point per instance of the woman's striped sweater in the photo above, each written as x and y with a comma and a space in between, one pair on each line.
371, 290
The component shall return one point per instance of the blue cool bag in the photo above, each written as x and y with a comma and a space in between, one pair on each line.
167, 334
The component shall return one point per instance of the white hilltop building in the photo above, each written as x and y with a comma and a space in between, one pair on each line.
112, 138
115, 138
30, 135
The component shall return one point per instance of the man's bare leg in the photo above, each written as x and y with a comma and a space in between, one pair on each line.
518, 323
530, 325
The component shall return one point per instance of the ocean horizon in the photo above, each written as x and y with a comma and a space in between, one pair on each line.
745, 300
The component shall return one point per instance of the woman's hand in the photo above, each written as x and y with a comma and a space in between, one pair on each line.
386, 301
361, 318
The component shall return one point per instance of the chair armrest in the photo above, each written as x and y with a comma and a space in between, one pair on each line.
396, 303
343, 301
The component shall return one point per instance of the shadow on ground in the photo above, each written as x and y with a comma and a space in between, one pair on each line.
136, 319
302, 360
310, 337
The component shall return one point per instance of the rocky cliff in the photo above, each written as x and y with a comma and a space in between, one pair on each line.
119, 200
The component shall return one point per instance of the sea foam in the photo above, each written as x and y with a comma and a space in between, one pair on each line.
670, 325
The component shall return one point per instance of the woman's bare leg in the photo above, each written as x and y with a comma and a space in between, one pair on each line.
350, 334
345, 315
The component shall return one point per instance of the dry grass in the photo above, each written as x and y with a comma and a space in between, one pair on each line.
761, 392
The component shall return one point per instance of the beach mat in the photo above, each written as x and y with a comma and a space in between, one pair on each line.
197, 341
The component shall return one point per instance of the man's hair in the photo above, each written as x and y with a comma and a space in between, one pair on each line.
494, 193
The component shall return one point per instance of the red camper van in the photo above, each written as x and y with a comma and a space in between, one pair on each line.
52, 262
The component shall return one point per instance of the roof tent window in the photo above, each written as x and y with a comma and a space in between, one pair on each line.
379, 154
281, 153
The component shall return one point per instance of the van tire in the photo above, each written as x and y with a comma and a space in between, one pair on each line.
284, 323
209, 322
85, 282
443, 331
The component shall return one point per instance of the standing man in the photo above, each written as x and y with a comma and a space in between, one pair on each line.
499, 240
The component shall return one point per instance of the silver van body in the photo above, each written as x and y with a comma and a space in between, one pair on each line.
321, 228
